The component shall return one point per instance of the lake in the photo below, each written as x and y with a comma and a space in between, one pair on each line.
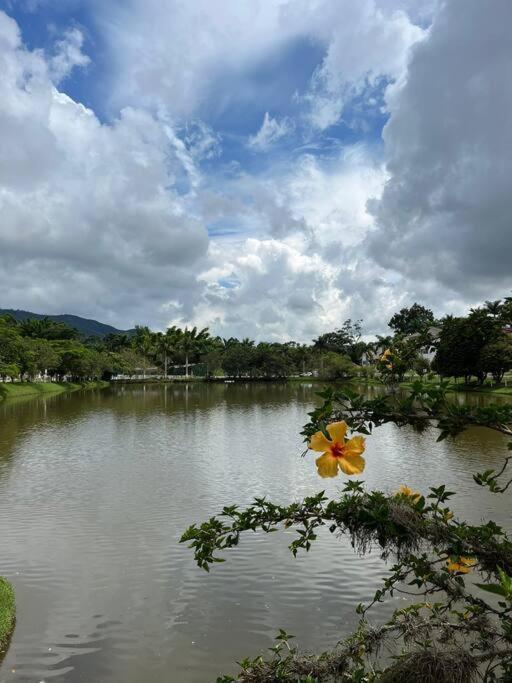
96, 488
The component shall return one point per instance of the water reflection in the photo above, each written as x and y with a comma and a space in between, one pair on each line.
96, 488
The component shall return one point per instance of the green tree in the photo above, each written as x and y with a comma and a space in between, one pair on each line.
126, 362
8, 370
143, 342
44, 328
496, 358
239, 357
12, 349
494, 307
300, 355
401, 357
192, 343
421, 366
335, 366
116, 342
341, 340
167, 345
461, 343
272, 361
416, 319
213, 357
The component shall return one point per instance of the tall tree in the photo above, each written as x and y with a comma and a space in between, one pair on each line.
461, 342
167, 344
416, 319
496, 358
341, 340
192, 343
143, 343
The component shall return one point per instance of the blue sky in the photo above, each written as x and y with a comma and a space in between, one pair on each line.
264, 167
275, 83
42, 23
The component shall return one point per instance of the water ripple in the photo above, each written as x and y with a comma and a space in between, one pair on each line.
96, 489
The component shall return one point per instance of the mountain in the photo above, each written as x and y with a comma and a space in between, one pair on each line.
86, 326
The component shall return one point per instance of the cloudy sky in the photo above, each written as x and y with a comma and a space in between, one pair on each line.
266, 168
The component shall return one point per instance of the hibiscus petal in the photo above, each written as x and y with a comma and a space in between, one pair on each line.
319, 442
352, 465
327, 465
355, 446
337, 431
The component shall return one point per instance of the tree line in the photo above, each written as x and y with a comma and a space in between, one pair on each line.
472, 346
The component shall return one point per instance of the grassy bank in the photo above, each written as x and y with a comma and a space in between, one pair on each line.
7, 614
485, 388
22, 389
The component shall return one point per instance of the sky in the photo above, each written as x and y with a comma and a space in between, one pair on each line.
266, 168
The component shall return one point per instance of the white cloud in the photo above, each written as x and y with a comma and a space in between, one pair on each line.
99, 227
281, 292
108, 219
174, 53
89, 213
304, 270
201, 55
365, 44
270, 132
68, 55
331, 198
445, 215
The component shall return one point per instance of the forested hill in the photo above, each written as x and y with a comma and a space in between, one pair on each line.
86, 327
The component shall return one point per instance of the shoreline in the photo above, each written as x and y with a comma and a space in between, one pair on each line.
20, 390
17, 390
7, 615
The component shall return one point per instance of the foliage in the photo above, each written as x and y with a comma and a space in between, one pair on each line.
413, 320
403, 355
7, 614
345, 340
472, 346
57, 353
334, 366
192, 343
452, 631
45, 328
462, 341
496, 358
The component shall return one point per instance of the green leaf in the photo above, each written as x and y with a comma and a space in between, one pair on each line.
492, 588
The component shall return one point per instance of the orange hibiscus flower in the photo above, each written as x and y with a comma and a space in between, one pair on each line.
339, 453
462, 565
407, 491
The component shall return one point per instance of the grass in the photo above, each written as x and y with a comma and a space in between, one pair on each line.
7, 614
22, 389
486, 388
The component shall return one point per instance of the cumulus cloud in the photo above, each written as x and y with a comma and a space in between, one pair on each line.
304, 270
366, 44
110, 219
445, 214
90, 216
280, 291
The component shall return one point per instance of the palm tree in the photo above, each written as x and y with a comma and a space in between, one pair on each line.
303, 355
493, 307
167, 344
143, 343
192, 343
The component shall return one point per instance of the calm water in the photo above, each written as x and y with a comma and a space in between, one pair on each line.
96, 489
